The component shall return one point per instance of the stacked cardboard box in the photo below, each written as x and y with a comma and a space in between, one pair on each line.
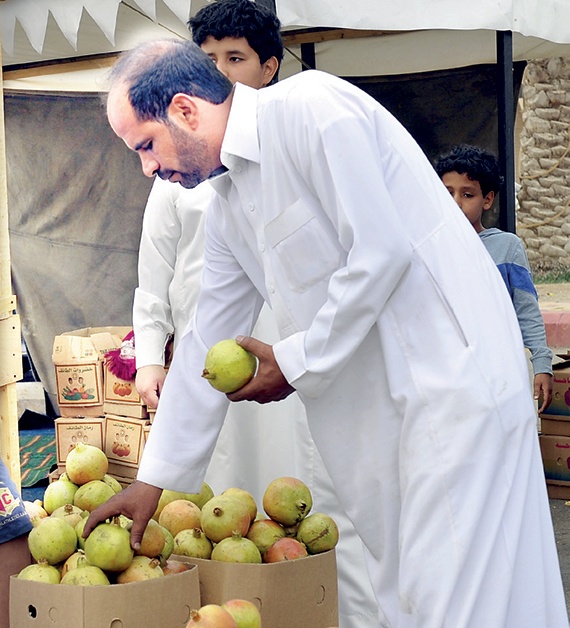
96, 406
555, 434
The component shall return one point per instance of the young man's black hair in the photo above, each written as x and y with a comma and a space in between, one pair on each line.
240, 18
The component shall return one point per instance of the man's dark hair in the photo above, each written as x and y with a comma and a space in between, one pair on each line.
477, 163
154, 72
240, 18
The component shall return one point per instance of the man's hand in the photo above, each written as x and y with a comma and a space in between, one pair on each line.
149, 383
137, 502
269, 384
543, 388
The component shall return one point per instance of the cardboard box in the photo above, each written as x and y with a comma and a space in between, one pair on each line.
124, 439
120, 390
70, 431
556, 457
54, 475
159, 602
555, 425
137, 411
127, 472
560, 404
306, 587
78, 358
558, 490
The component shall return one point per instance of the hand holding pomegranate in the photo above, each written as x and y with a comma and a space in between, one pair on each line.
268, 384
137, 502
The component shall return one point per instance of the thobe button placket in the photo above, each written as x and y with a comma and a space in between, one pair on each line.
251, 207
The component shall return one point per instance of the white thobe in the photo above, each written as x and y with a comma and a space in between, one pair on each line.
258, 443
400, 338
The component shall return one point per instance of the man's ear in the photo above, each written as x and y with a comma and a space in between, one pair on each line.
184, 108
488, 200
270, 67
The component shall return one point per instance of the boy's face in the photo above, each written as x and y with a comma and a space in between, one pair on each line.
235, 58
469, 196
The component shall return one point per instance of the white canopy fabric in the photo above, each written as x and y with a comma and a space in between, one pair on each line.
417, 36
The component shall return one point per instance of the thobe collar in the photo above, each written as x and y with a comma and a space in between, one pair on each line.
240, 139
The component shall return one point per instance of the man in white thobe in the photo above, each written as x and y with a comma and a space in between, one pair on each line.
396, 332
258, 443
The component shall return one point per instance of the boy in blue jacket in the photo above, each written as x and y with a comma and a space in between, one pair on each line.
471, 175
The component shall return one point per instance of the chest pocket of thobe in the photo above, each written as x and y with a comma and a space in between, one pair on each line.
308, 251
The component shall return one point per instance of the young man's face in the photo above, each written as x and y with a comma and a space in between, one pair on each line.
237, 60
469, 196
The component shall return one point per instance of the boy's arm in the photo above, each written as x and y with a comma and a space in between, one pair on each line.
525, 301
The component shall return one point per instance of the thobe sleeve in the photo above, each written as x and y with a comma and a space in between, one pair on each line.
351, 170
152, 315
190, 414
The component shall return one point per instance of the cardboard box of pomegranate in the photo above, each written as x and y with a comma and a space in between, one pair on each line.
124, 439
158, 602
556, 457
121, 396
555, 424
560, 404
72, 430
78, 358
305, 589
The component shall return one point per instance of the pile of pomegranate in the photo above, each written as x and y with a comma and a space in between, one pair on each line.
226, 527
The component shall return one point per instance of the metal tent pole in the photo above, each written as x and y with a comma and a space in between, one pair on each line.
506, 130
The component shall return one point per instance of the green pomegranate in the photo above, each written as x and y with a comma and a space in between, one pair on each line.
287, 500
222, 516
79, 532
168, 548
228, 366
141, 568
193, 543
245, 496
236, 549
109, 547
72, 514
245, 613
53, 539
318, 532
58, 494
206, 493
85, 575
85, 463
41, 571
92, 494
113, 483
264, 532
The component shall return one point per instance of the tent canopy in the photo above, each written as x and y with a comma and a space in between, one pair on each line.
352, 37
